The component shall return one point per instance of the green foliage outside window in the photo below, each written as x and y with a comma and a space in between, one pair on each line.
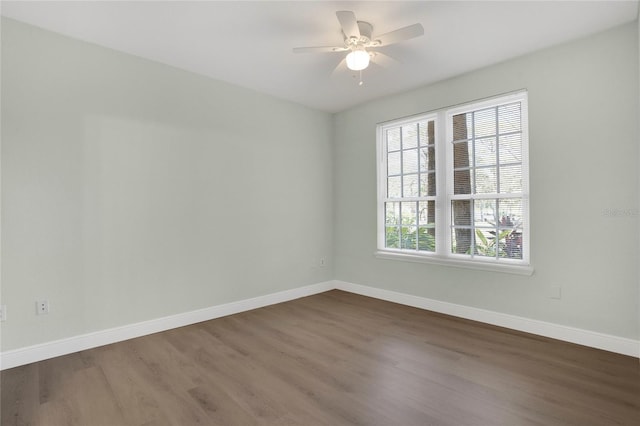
405, 237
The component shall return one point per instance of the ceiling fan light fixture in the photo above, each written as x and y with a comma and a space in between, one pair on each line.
358, 59
357, 37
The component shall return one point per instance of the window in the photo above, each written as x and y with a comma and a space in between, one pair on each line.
453, 186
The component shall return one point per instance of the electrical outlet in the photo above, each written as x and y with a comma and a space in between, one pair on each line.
323, 262
3, 312
42, 307
555, 292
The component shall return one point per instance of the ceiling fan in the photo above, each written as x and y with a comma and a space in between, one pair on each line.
360, 43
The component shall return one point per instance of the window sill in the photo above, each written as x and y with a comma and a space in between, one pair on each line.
457, 263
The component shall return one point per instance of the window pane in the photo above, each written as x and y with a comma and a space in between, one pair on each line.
509, 117
424, 185
426, 238
392, 213
394, 187
393, 163
512, 244
409, 213
427, 159
426, 132
510, 213
423, 135
486, 181
393, 139
410, 161
510, 179
511, 149
485, 152
427, 213
485, 242
409, 136
408, 238
462, 182
461, 240
392, 237
428, 184
462, 154
461, 212
461, 126
484, 123
510, 228
485, 212
411, 186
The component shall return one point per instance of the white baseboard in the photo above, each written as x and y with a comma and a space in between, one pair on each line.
592, 339
26, 355
29, 354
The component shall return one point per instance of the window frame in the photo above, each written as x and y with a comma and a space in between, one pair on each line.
443, 133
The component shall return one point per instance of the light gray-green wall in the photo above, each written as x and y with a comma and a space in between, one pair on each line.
132, 190
583, 112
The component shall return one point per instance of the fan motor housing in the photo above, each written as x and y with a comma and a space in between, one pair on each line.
365, 36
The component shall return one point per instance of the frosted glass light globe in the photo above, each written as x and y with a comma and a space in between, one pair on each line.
358, 60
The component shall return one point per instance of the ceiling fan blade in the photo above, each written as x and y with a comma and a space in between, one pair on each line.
402, 34
319, 49
383, 60
340, 68
349, 24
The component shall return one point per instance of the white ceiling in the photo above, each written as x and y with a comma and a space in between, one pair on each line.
249, 43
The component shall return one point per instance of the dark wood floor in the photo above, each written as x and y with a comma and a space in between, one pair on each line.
329, 359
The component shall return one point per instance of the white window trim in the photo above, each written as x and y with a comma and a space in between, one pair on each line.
478, 264
444, 193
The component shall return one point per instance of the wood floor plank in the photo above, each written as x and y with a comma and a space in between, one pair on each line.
57, 412
220, 406
132, 392
330, 359
20, 395
88, 398
55, 371
171, 399
255, 383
